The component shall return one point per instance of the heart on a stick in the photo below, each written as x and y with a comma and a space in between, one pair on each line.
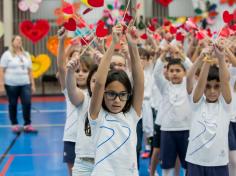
52, 44
101, 31
70, 25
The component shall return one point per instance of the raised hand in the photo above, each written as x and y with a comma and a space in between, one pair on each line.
73, 64
117, 33
219, 51
61, 33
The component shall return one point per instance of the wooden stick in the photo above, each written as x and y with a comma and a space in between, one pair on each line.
126, 10
87, 47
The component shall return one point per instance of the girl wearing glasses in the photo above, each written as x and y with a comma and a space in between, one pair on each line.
115, 110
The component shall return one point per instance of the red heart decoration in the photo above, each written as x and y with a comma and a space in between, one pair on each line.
166, 22
173, 30
70, 25
234, 14
34, 31
144, 36
154, 21
225, 32
233, 27
68, 9
165, 3
179, 36
200, 35
152, 28
128, 18
101, 31
96, 3
227, 17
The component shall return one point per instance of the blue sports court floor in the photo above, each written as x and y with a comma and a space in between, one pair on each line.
37, 154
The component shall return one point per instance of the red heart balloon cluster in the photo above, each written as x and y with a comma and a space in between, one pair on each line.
34, 31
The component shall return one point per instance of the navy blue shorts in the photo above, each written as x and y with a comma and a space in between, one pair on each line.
157, 136
196, 170
69, 152
173, 143
232, 136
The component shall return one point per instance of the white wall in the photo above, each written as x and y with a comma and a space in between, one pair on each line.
181, 8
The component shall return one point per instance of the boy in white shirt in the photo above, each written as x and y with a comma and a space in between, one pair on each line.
207, 152
174, 113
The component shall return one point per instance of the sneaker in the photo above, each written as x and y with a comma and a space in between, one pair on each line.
145, 155
29, 129
15, 128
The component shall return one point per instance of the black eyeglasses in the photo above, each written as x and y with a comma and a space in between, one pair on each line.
123, 96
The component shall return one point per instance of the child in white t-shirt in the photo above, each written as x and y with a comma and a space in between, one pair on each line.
84, 148
115, 110
208, 151
173, 113
72, 105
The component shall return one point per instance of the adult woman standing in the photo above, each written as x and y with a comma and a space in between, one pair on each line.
16, 77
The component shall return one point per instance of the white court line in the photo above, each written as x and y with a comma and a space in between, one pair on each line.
39, 111
37, 125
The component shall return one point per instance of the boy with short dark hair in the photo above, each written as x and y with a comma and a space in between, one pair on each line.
174, 113
207, 152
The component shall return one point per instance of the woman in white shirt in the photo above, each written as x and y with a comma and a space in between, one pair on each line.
16, 76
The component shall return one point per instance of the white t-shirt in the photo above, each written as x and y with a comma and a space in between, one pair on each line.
16, 69
232, 71
84, 144
115, 139
72, 117
174, 111
208, 140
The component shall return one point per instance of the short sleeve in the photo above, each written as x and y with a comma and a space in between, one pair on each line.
5, 59
100, 117
227, 107
28, 57
132, 114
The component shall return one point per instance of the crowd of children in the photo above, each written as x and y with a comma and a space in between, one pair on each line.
181, 95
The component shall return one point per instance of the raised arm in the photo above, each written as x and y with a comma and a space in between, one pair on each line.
224, 74
231, 56
75, 94
191, 73
137, 71
101, 75
61, 61
202, 80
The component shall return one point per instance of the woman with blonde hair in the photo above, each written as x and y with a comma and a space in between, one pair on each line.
16, 77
